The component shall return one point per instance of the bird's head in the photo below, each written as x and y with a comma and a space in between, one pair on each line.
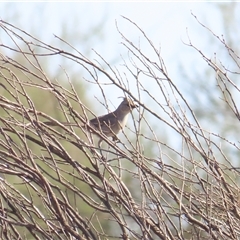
127, 105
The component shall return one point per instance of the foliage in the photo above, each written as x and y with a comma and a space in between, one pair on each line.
58, 184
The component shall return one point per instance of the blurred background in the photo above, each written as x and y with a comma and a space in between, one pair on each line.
88, 26
98, 29
94, 26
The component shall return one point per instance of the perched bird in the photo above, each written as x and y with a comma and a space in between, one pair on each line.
111, 123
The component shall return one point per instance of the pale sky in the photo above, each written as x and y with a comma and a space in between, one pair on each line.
165, 23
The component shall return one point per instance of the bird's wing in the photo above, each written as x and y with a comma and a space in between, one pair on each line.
108, 120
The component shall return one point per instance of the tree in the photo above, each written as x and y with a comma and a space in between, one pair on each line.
186, 189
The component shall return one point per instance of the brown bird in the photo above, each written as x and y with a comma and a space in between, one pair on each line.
112, 123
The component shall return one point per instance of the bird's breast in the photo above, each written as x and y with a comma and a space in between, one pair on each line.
123, 121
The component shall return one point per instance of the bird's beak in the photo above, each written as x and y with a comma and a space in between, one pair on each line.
134, 105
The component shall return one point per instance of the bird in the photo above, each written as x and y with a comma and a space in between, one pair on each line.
110, 124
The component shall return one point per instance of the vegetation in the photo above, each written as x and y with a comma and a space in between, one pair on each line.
56, 183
